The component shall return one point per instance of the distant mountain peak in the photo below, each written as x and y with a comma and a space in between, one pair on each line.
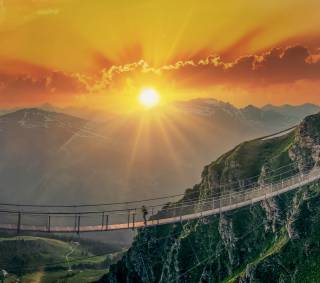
48, 107
251, 107
205, 106
38, 118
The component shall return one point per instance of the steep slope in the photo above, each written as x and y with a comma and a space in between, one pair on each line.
276, 240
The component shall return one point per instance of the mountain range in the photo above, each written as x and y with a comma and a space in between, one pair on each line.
54, 157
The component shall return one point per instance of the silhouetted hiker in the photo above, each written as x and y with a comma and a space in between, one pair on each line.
144, 214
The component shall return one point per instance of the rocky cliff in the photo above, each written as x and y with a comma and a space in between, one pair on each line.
277, 240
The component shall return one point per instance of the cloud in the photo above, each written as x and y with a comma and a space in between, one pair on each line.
273, 67
289, 65
23, 83
277, 66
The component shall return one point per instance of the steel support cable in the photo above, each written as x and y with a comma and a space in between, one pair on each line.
142, 200
164, 210
182, 205
218, 196
292, 179
250, 185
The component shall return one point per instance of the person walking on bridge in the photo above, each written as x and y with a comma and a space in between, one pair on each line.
144, 214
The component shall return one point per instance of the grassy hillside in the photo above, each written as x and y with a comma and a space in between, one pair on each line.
277, 240
38, 259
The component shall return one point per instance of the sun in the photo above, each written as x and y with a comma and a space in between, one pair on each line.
149, 97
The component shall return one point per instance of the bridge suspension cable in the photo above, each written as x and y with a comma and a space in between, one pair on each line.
248, 181
27, 219
216, 193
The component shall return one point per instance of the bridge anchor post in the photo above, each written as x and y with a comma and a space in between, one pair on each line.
133, 220
49, 224
107, 223
152, 213
128, 219
102, 221
75, 222
78, 225
19, 223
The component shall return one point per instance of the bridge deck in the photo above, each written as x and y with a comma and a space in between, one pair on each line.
204, 208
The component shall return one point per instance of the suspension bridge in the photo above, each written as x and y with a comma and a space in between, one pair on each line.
161, 211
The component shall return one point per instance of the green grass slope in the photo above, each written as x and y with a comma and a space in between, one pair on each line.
40, 259
273, 241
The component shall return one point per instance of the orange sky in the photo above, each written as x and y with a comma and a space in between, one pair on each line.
100, 53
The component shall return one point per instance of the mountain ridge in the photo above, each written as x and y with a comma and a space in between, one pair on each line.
250, 244
67, 160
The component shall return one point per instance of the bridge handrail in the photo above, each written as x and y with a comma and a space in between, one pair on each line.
200, 201
221, 185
